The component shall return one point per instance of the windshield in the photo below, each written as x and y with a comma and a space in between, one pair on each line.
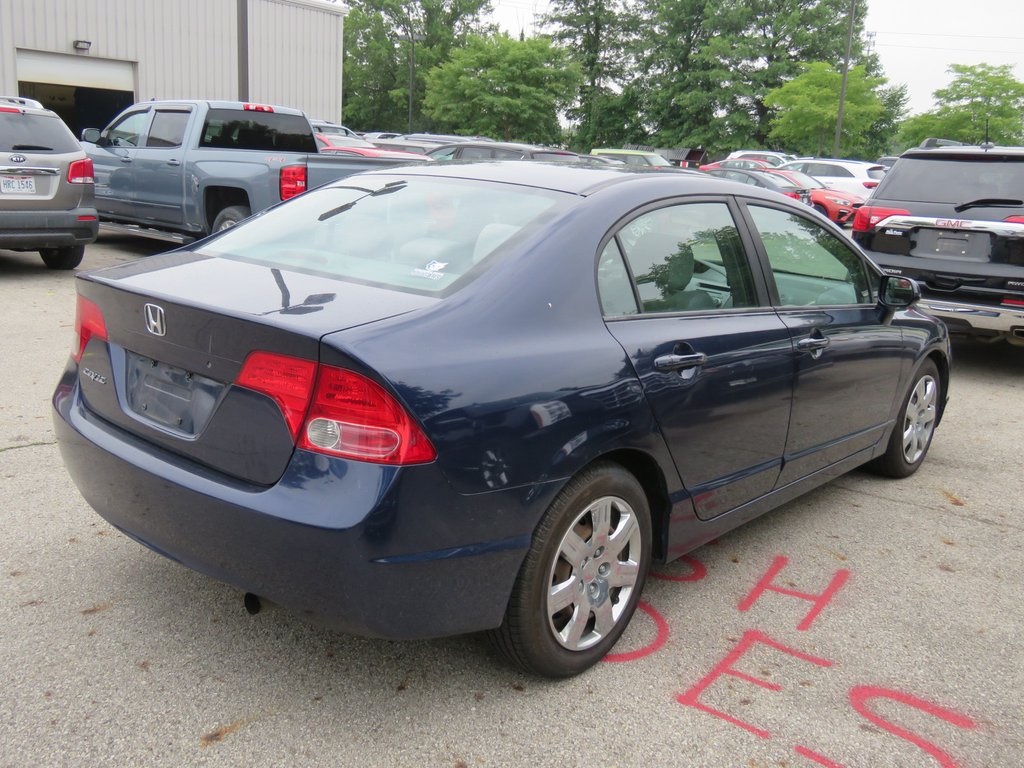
955, 181
421, 235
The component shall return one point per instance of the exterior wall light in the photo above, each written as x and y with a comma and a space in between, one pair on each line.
81, 45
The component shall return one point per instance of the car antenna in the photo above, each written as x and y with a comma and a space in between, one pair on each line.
987, 144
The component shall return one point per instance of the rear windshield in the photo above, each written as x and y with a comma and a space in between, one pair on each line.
21, 132
420, 235
264, 131
948, 180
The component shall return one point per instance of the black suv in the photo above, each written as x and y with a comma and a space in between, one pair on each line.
47, 201
952, 218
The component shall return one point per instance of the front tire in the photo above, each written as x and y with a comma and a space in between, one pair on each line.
230, 216
63, 258
912, 435
580, 583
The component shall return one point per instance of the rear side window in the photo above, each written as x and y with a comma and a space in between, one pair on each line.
685, 257
168, 129
953, 180
422, 235
262, 131
20, 132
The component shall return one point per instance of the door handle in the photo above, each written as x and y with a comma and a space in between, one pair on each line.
675, 362
125, 159
812, 343
174, 162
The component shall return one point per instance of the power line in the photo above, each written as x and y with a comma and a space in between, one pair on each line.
952, 50
950, 34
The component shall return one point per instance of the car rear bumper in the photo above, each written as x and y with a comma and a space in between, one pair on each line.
365, 549
31, 230
960, 308
979, 317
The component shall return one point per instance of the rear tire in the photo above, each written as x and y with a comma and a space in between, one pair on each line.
912, 435
230, 216
63, 258
580, 583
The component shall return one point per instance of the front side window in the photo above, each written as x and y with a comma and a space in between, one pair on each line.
685, 257
811, 266
126, 132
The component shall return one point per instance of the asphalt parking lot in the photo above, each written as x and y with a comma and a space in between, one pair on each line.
871, 623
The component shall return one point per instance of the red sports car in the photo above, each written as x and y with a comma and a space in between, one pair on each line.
834, 204
336, 144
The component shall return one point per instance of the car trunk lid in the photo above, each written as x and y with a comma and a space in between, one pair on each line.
179, 329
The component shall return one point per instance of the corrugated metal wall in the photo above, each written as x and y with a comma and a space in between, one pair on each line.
189, 48
295, 58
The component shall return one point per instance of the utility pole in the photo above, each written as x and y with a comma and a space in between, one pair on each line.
413, 37
846, 72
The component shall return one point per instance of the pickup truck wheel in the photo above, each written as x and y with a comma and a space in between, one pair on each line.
582, 577
915, 426
63, 258
230, 216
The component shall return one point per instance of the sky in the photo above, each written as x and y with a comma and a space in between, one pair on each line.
916, 40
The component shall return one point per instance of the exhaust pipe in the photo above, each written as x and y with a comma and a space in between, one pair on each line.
252, 603
1016, 337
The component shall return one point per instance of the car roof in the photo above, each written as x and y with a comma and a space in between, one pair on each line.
611, 151
964, 151
574, 178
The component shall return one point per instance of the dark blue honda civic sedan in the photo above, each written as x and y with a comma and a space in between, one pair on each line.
427, 401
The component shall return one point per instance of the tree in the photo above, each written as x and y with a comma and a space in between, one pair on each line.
504, 88
384, 38
981, 101
726, 56
808, 108
597, 35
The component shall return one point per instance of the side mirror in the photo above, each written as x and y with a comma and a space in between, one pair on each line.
91, 135
898, 292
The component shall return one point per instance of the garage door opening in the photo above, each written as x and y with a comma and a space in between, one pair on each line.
78, 106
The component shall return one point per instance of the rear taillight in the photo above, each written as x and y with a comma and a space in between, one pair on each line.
870, 184
80, 172
1016, 303
88, 323
348, 415
293, 181
794, 195
257, 108
356, 418
15, 110
287, 380
868, 216
1014, 219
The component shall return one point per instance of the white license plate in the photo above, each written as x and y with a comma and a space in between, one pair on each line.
17, 185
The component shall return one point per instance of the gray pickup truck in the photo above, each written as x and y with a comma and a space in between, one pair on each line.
190, 168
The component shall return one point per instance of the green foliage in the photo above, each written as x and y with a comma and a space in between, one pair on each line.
980, 98
597, 35
383, 38
808, 108
503, 88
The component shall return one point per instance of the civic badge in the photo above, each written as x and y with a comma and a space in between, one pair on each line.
17, 158
155, 320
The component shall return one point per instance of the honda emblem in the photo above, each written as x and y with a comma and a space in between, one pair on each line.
155, 320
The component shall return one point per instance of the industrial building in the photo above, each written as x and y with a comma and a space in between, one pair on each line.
88, 59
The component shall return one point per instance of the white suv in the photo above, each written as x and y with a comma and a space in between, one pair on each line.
764, 155
853, 176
